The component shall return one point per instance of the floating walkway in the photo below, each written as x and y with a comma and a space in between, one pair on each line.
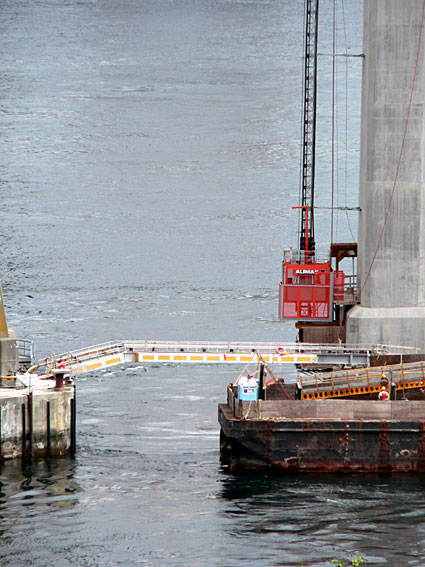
162, 352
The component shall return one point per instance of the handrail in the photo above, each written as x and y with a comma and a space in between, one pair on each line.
112, 347
396, 373
26, 349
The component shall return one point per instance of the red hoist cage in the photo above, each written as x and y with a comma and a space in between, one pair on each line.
308, 291
309, 286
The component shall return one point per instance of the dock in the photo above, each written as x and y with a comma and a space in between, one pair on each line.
37, 411
37, 419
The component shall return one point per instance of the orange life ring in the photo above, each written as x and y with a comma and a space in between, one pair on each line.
280, 350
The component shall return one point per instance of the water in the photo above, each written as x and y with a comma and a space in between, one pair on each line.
150, 160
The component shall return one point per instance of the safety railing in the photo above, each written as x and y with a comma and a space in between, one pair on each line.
26, 351
363, 380
113, 347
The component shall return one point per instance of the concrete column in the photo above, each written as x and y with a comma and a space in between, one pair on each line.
9, 355
392, 309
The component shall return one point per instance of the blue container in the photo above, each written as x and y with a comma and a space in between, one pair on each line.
248, 393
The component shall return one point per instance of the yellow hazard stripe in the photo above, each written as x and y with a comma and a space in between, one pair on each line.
93, 366
204, 357
113, 361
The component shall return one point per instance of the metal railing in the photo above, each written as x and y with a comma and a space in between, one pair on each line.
117, 352
26, 351
296, 256
363, 380
351, 290
222, 346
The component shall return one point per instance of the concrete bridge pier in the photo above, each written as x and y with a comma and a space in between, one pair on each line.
391, 244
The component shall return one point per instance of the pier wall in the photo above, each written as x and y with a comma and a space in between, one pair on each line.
391, 240
37, 423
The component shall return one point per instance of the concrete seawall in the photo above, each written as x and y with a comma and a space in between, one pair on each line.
37, 423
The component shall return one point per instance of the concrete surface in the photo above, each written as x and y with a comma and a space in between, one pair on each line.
37, 421
392, 309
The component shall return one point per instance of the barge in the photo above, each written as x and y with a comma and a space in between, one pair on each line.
330, 424
325, 436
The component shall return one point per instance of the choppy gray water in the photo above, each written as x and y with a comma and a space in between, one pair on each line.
149, 163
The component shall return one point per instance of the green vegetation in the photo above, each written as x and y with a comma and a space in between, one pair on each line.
357, 561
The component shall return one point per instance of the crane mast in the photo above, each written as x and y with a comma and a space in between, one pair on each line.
308, 286
307, 242
313, 292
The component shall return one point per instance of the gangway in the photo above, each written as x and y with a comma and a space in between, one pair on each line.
150, 351
362, 381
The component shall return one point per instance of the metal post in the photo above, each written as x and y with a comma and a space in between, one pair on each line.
73, 447
48, 427
24, 431
262, 389
4, 333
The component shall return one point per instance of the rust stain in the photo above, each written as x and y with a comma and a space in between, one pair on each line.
324, 446
346, 442
421, 446
384, 447
269, 440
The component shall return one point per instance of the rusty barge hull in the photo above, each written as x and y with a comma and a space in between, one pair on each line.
329, 443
